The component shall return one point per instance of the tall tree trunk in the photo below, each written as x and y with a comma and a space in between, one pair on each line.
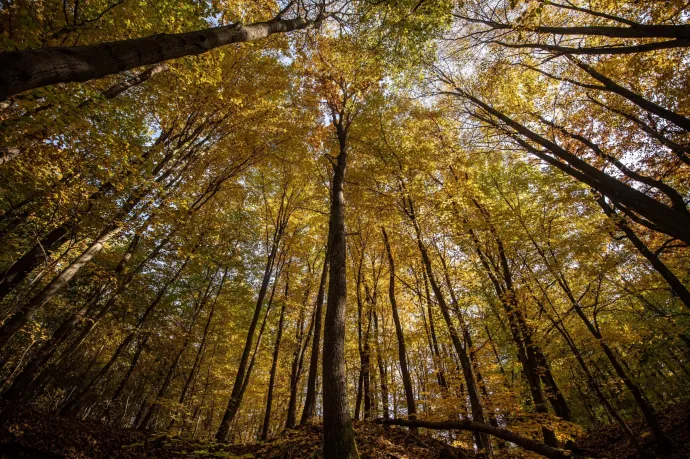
310, 400
440, 372
475, 403
402, 352
14, 323
656, 214
274, 364
202, 346
236, 397
338, 434
518, 327
383, 374
105, 417
298, 358
155, 405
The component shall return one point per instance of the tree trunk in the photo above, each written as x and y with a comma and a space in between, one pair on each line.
310, 400
35, 68
338, 435
402, 352
383, 374
236, 397
504, 434
72, 404
274, 364
475, 403
105, 417
676, 285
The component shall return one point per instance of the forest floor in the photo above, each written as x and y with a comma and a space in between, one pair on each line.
34, 435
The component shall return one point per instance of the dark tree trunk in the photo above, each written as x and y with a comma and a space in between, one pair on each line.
310, 400
478, 427
274, 364
402, 352
105, 417
338, 434
236, 395
383, 374
35, 68
676, 285
298, 358
73, 403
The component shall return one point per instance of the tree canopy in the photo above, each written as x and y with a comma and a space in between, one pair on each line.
224, 219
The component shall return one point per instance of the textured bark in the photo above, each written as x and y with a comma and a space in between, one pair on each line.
338, 435
34, 68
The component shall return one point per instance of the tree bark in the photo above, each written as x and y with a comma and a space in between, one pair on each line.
338, 434
35, 68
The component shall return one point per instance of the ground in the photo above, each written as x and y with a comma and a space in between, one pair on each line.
33, 435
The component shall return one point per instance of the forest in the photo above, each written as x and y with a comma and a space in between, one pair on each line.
344, 228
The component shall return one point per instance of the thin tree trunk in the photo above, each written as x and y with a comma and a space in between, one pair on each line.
383, 374
236, 397
402, 352
478, 427
676, 285
24, 379
105, 417
274, 364
71, 405
310, 400
475, 402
